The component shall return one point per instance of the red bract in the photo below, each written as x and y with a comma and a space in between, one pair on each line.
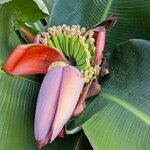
31, 59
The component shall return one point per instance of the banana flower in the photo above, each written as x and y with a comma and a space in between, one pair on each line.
71, 58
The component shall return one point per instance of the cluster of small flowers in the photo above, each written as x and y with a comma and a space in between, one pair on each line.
74, 30
90, 34
57, 64
90, 73
45, 38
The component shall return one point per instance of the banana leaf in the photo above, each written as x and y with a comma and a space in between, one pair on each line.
119, 117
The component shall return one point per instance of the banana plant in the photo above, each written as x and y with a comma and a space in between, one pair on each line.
53, 83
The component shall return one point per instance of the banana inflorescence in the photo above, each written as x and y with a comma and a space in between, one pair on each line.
76, 44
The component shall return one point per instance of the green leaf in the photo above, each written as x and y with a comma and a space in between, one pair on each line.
133, 17
42, 25
11, 14
42, 7
122, 109
4, 1
17, 105
49, 4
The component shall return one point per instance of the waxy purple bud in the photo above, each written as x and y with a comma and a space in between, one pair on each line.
56, 102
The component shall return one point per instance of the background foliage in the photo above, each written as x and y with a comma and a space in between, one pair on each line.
119, 117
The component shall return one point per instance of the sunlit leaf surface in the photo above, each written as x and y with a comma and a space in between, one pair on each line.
119, 118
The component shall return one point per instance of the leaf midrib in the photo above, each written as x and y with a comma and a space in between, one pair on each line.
126, 105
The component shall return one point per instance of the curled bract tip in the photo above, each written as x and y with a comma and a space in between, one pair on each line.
40, 144
107, 23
